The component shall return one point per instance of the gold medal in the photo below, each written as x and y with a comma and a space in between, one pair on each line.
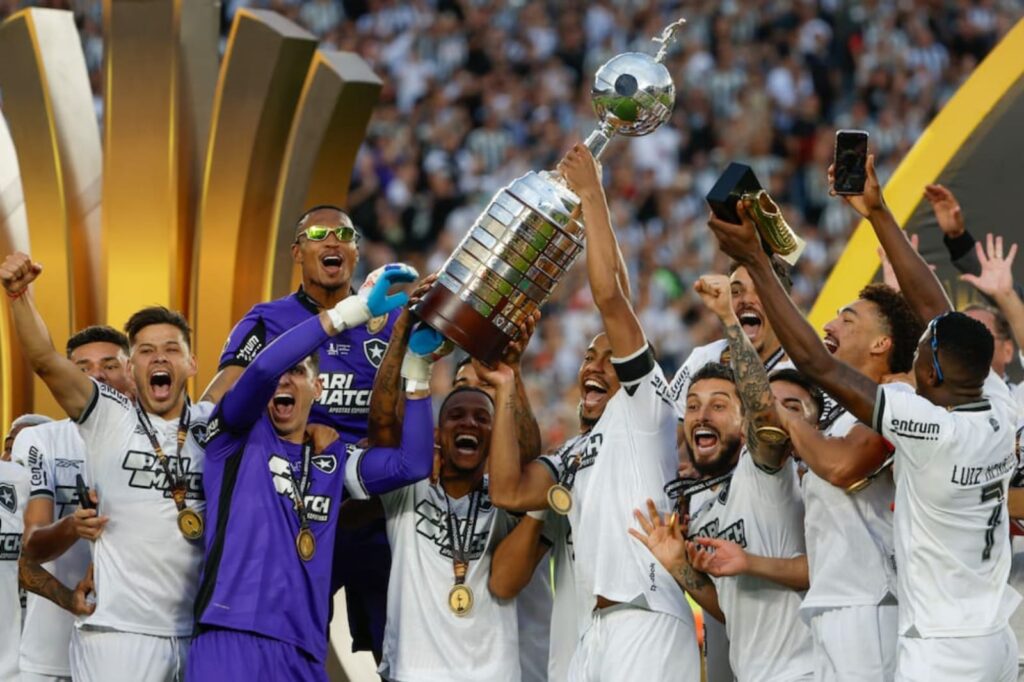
460, 600
190, 524
306, 544
560, 499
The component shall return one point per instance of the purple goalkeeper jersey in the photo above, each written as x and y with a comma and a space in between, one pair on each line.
253, 578
348, 361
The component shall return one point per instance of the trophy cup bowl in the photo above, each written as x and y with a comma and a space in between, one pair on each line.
531, 233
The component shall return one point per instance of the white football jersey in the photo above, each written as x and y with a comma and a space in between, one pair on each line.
54, 455
14, 487
423, 640
569, 614
850, 552
146, 573
629, 456
716, 639
1017, 548
702, 355
952, 470
763, 513
533, 616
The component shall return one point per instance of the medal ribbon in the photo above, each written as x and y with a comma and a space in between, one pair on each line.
684, 488
459, 543
302, 487
568, 476
175, 479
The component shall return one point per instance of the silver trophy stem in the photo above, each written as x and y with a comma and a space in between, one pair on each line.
598, 140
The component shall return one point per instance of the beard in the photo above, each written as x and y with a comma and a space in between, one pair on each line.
586, 423
724, 462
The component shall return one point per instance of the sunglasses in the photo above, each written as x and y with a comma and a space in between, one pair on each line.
933, 329
318, 233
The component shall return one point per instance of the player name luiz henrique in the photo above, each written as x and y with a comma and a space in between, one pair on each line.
968, 476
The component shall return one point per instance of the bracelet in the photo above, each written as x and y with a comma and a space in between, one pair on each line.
539, 514
15, 295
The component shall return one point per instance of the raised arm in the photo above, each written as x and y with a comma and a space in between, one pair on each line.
514, 485
852, 389
995, 281
516, 558
604, 262
918, 283
72, 388
751, 377
243, 404
383, 469
387, 398
841, 461
527, 429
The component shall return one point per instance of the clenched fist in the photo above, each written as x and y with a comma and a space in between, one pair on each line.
17, 272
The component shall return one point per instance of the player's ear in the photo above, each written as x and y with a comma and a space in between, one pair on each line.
296, 253
318, 387
882, 345
193, 366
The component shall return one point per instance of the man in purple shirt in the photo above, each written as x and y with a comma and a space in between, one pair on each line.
273, 499
326, 250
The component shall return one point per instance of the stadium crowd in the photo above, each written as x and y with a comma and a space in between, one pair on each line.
478, 92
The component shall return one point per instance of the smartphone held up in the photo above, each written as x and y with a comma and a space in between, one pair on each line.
851, 158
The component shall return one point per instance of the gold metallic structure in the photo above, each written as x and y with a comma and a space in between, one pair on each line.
199, 174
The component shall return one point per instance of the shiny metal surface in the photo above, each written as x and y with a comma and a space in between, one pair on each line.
633, 94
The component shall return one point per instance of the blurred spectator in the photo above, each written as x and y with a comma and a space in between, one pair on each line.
480, 91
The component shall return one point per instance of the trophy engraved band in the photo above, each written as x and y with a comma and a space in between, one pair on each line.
531, 232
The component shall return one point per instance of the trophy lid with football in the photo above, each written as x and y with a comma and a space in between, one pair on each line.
531, 232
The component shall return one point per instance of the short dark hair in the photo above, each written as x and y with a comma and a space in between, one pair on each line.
714, 370
157, 314
1003, 329
902, 324
314, 362
966, 344
782, 271
98, 333
462, 389
797, 378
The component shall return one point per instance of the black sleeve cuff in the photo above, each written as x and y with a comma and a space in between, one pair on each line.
91, 406
635, 368
876, 418
959, 246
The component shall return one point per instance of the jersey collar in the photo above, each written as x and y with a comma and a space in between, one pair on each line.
977, 406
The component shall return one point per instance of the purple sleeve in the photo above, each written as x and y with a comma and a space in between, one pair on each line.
246, 340
382, 470
245, 402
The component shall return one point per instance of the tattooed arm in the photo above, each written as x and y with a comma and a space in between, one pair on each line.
752, 383
386, 400
36, 579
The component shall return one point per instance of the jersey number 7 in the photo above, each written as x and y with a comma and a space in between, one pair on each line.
993, 491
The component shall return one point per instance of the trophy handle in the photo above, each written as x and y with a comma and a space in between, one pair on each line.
598, 140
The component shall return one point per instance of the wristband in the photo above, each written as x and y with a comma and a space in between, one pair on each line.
539, 514
15, 295
351, 312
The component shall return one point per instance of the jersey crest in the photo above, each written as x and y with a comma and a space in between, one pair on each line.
8, 497
374, 350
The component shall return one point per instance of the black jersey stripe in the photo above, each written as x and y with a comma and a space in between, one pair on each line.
227, 491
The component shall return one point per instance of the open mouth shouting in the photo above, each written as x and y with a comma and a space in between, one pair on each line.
466, 444
160, 384
831, 343
595, 391
751, 322
705, 441
332, 263
282, 406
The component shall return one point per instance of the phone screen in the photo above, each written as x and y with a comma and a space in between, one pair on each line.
851, 161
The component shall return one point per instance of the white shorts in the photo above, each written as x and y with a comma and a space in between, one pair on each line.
856, 643
716, 651
101, 655
36, 677
991, 658
628, 643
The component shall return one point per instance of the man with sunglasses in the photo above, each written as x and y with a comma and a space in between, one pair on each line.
953, 450
326, 250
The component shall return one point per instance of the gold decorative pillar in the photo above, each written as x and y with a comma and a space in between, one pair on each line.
15, 377
160, 66
49, 108
257, 94
337, 99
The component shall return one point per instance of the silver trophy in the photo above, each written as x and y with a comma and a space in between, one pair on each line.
531, 233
